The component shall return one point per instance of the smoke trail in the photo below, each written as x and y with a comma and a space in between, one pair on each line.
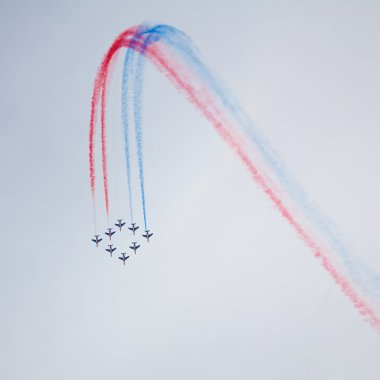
99, 84
193, 97
138, 87
134, 69
104, 146
125, 116
216, 108
368, 279
138, 128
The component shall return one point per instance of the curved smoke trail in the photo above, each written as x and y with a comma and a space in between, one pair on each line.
368, 279
138, 82
99, 86
125, 120
173, 54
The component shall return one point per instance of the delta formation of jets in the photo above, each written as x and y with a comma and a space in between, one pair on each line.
110, 233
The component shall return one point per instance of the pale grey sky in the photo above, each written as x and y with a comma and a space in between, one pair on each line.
225, 290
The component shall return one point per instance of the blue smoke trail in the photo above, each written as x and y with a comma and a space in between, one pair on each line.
138, 129
138, 75
179, 41
124, 117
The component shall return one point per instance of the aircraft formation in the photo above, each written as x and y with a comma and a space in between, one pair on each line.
110, 248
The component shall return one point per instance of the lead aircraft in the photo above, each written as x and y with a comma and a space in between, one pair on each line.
119, 224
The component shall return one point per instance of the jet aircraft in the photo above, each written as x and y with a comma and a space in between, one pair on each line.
110, 232
110, 249
134, 247
147, 235
133, 227
119, 224
124, 257
97, 240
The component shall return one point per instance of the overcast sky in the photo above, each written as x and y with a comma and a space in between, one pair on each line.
225, 290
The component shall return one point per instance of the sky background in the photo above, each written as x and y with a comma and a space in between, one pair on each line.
225, 289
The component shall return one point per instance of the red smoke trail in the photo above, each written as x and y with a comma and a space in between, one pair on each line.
100, 87
190, 92
210, 111
103, 143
